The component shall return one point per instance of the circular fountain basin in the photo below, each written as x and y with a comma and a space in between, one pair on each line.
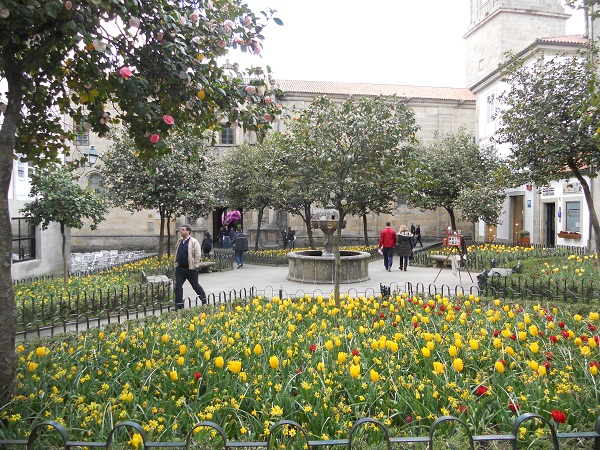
311, 266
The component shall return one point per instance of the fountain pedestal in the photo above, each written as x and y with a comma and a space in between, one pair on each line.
317, 266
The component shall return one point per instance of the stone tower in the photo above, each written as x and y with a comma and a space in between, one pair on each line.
498, 26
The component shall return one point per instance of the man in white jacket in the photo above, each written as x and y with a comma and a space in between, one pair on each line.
187, 261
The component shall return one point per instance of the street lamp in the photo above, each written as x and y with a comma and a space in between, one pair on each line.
92, 156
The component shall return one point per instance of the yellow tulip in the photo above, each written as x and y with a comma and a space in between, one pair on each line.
438, 368
534, 347
355, 371
173, 375
426, 352
499, 367
257, 349
342, 356
274, 362
452, 351
374, 376
458, 365
219, 362
182, 349
234, 366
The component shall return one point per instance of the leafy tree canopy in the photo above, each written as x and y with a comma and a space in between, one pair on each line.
182, 182
550, 115
454, 173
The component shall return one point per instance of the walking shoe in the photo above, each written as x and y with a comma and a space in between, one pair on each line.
239, 265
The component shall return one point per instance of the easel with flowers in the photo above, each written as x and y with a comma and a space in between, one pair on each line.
453, 246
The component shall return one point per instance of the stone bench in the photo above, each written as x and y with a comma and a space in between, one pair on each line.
206, 266
440, 260
155, 279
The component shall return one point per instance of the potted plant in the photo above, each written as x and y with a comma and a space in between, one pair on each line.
524, 238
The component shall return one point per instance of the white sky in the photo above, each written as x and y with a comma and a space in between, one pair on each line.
414, 42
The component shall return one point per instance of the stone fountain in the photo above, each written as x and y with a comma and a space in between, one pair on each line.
317, 266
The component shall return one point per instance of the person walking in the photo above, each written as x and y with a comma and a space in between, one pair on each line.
187, 261
405, 246
240, 245
284, 238
387, 242
412, 231
206, 244
418, 236
291, 237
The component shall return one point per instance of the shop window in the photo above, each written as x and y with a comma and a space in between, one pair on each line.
573, 222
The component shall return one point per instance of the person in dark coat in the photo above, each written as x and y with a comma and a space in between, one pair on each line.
404, 244
206, 244
240, 245
418, 235
291, 237
284, 238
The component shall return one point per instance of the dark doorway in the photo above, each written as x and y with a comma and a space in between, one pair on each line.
550, 224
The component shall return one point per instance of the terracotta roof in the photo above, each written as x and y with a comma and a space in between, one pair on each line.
570, 39
410, 92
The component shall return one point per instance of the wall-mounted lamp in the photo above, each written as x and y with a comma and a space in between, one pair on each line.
92, 156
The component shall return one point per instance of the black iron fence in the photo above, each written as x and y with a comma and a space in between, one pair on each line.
135, 303
51, 434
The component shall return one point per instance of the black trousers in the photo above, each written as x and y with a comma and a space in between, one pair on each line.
182, 274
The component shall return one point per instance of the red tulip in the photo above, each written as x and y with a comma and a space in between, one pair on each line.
514, 407
558, 416
198, 375
481, 390
312, 348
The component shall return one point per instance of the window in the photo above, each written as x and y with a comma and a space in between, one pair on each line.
573, 222
23, 240
83, 135
24, 169
490, 108
227, 136
95, 183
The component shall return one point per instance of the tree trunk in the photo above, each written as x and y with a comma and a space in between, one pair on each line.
590, 203
338, 261
8, 306
169, 236
365, 232
452, 218
161, 236
64, 254
309, 231
260, 216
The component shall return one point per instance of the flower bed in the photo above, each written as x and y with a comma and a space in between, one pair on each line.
405, 361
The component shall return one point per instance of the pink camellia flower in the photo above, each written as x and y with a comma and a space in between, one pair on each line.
68, 5
256, 48
227, 25
168, 119
209, 5
222, 43
154, 138
268, 117
125, 72
248, 21
183, 21
250, 90
195, 16
268, 100
134, 22
159, 36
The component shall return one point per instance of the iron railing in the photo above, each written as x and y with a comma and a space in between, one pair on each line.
123, 432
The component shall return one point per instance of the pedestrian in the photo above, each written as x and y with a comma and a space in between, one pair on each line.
412, 231
187, 262
405, 246
206, 244
387, 242
240, 245
224, 236
284, 238
291, 238
418, 236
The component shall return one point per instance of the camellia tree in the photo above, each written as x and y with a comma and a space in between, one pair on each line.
182, 182
58, 198
454, 173
550, 114
152, 65
349, 145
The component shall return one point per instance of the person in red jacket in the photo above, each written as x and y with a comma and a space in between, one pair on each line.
387, 242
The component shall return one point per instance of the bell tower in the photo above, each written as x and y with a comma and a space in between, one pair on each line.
498, 26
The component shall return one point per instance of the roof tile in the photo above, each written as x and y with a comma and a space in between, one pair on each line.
340, 88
